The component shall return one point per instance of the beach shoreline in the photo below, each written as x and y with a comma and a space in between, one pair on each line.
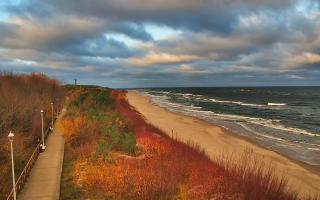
216, 140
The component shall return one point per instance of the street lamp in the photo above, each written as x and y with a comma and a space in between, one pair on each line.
51, 115
10, 137
43, 147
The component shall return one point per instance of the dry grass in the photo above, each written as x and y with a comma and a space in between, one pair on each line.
249, 177
164, 168
22, 98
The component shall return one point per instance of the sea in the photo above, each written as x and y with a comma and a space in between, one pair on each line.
283, 119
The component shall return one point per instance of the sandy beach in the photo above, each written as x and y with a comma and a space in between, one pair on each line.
216, 140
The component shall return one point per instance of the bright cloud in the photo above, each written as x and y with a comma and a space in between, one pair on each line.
154, 58
306, 58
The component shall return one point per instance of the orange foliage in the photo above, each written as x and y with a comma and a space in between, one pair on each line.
157, 175
82, 134
73, 126
165, 169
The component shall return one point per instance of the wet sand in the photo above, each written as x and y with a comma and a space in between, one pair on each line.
216, 140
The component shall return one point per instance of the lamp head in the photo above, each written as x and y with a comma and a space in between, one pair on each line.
10, 136
41, 111
51, 103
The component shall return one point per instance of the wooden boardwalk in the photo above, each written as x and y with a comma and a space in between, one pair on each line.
44, 180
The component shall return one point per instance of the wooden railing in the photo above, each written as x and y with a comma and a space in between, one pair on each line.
27, 169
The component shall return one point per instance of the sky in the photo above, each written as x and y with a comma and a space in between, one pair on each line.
164, 43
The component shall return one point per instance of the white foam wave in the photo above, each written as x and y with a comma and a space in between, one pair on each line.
185, 94
238, 103
251, 104
195, 107
307, 143
177, 93
260, 134
275, 124
270, 123
276, 104
314, 149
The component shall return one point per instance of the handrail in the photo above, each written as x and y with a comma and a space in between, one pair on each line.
27, 169
24, 174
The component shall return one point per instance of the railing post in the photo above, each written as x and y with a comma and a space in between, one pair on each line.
18, 185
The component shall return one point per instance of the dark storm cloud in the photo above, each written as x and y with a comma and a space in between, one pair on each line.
102, 47
218, 47
47, 34
81, 37
206, 15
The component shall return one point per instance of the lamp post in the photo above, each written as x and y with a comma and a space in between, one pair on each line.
51, 115
43, 147
10, 136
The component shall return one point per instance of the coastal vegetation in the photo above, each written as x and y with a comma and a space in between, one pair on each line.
21, 99
113, 153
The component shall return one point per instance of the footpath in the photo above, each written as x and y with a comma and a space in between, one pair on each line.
44, 180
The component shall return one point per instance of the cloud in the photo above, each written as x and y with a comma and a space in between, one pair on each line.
155, 58
214, 41
208, 15
293, 76
186, 68
41, 34
305, 58
135, 31
189, 69
102, 47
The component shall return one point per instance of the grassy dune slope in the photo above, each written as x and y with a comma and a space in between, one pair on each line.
112, 153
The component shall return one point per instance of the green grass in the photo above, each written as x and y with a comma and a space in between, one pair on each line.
121, 140
97, 105
94, 100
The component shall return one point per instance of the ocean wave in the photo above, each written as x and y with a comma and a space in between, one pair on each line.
238, 103
252, 104
271, 133
195, 107
179, 94
270, 123
276, 104
308, 143
260, 134
313, 149
280, 141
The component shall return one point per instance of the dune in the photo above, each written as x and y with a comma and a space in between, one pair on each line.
216, 140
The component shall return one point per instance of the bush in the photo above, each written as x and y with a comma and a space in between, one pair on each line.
22, 98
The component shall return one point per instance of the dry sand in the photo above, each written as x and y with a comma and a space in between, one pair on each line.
216, 140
